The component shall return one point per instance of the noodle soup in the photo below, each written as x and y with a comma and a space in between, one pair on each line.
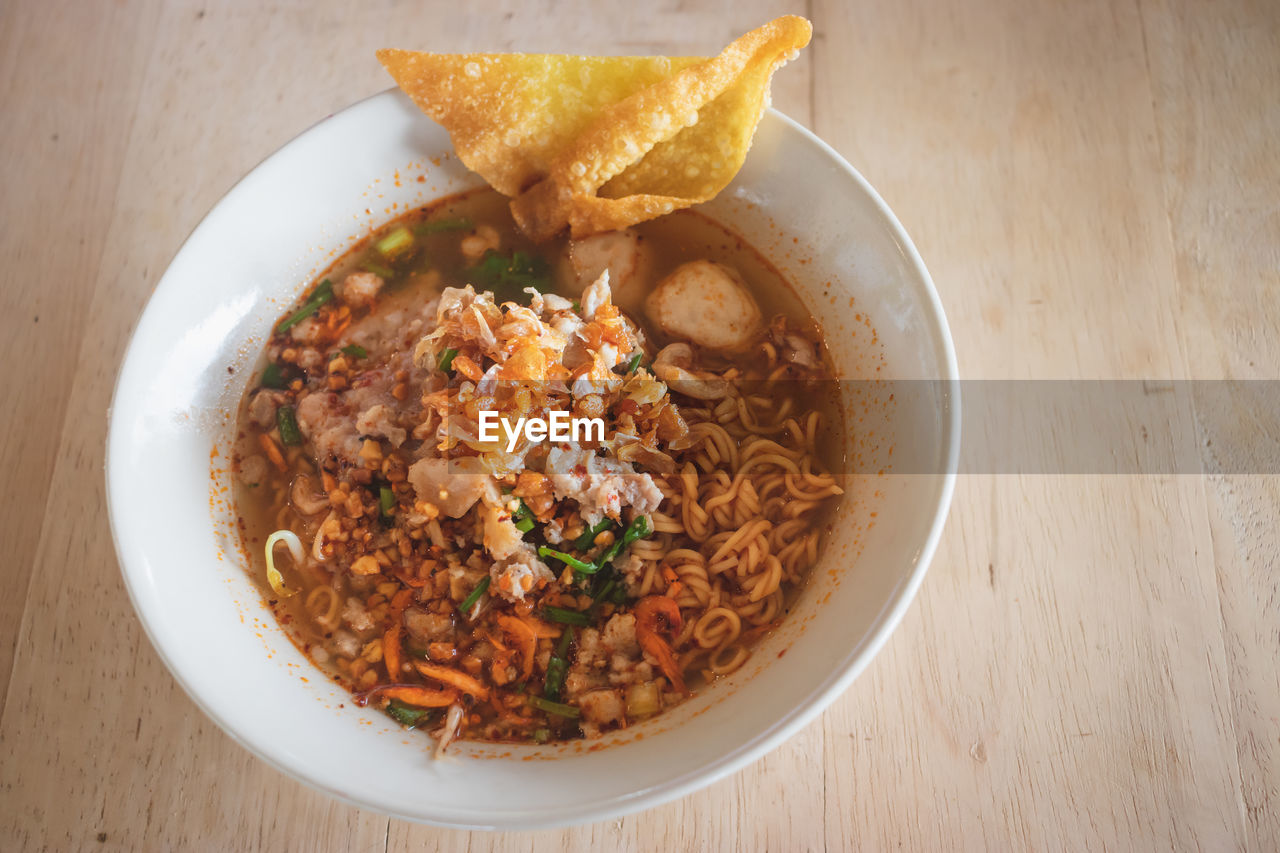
528, 590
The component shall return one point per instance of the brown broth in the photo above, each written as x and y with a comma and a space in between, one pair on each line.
437, 262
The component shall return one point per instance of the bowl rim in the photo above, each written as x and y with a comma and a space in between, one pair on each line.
803, 711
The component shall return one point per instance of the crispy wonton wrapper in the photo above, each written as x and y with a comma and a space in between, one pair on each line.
600, 143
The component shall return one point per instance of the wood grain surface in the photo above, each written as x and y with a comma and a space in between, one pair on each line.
1092, 661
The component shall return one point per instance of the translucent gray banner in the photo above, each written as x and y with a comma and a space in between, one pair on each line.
1118, 427
1112, 427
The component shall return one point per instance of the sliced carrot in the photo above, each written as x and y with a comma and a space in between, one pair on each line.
526, 642
445, 675
410, 694
498, 669
497, 643
541, 630
391, 639
410, 581
273, 451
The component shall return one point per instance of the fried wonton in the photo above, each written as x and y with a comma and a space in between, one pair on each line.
600, 143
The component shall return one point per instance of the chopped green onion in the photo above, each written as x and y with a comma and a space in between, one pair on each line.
424, 228
572, 562
510, 275
394, 242
634, 362
637, 529
604, 590
475, 594
322, 294
355, 351
556, 669
523, 518
446, 358
273, 377
554, 707
378, 269
558, 666
386, 503
588, 538
566, 617
405, 715
541, 735
606, 585
421, 654
288, 424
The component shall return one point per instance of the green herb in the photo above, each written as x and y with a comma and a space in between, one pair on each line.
406, 715
637, 529
273, 377
355, 351
395, 241
541, 735
634, 363
588, 538
572, 562
422, 229
322, 294
378, 269
288, 424
558, 666
554, 707
510, 275
556, 669
606, 586
603, 591
475, 594
523, 518
421, 654
566, 617
446, 358
386, 503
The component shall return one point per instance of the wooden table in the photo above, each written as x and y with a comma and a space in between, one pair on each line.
1096, 188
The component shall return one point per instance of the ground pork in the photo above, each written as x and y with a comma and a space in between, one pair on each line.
452, 485
326, 417
360, 288
426, 627
518, 573
379, 421
357, 617
600, 485
263, 406
601, 710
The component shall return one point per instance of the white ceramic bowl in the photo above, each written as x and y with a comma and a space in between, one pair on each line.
171, 428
